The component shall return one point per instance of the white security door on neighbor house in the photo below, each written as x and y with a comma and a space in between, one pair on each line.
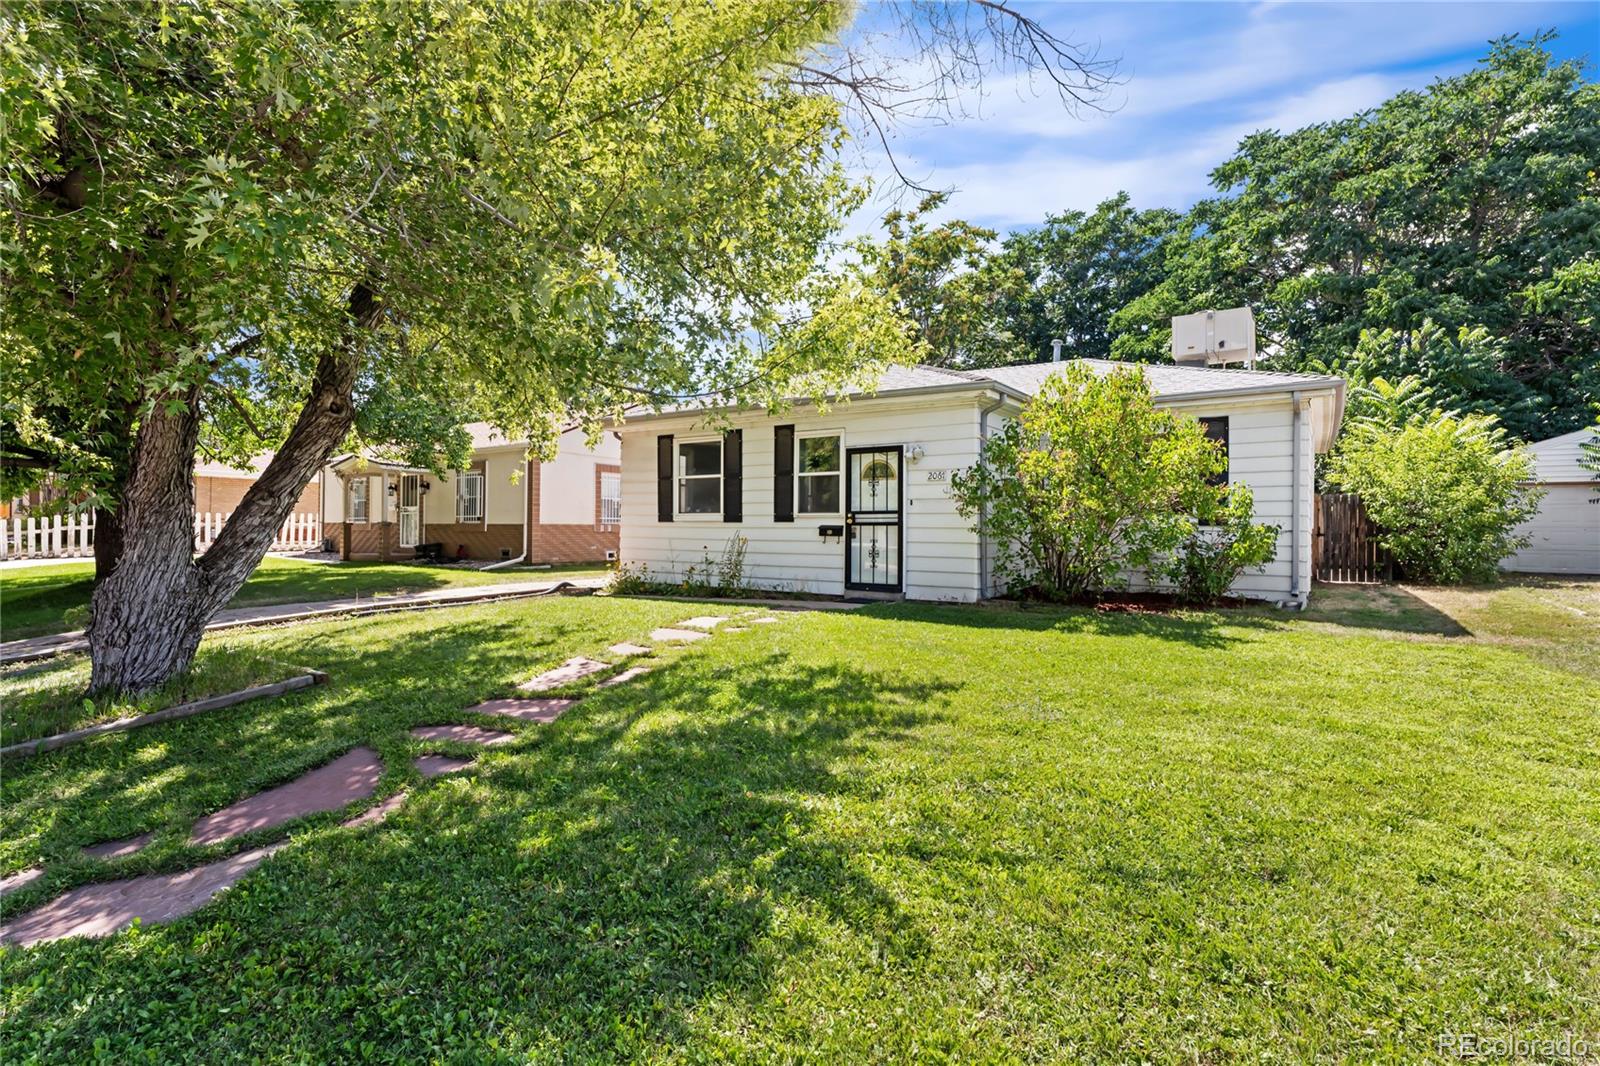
410, 510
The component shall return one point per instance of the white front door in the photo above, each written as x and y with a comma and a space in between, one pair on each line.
410, 510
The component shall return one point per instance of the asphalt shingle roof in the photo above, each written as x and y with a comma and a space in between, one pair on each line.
1166, 379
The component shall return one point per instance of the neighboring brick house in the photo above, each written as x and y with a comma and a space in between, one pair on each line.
500, 507
218, 489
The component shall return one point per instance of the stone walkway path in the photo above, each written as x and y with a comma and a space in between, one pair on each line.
16, 651
103, 908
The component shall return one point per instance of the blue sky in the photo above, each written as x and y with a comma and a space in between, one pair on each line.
1196, 78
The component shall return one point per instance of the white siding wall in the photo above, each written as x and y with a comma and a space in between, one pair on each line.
1566, 533
940, 555
1260, 454
941, 552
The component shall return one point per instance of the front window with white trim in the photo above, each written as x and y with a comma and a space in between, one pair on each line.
817, 474
700, 477
469, 496
358, 499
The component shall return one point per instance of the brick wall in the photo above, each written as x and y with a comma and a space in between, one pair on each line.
221, 495
481, 542
569, 543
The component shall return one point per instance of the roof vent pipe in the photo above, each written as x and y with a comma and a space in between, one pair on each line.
1055, 350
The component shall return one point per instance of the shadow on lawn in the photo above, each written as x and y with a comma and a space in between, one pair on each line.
1200, 628
591, 890
1386, 607
164, 777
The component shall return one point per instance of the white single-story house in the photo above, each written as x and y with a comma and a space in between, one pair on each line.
855, 500
501, 506
1566, 531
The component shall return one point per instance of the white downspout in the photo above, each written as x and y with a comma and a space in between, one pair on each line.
1297, 598
983, 510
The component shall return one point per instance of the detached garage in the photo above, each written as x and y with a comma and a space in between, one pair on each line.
1566, 531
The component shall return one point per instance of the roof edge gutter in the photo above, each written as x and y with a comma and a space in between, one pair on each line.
954, 388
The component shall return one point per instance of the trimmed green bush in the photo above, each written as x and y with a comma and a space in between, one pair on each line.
1447, 491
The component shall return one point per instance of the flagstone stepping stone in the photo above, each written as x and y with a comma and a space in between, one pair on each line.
434, 765
543, 710
705, 621
626, 675
108, 907
377, 813
681, 636
352, 776
736, 629
628, 648
572, 670
116, 849
763, 621
19, 880
466, 734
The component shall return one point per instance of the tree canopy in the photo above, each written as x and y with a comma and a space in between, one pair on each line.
1452, 234
296, 225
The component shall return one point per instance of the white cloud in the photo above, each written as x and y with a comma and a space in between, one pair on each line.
1199, 78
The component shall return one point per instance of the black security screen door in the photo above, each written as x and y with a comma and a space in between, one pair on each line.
872, 519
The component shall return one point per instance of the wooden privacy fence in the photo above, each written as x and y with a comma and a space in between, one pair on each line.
72, 536
1344, 542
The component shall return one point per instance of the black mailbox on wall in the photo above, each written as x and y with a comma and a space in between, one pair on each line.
830, 531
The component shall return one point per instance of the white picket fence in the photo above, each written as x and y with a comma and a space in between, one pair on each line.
72, 536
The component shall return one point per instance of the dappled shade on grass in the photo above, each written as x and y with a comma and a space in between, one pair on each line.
901, 833
52, 599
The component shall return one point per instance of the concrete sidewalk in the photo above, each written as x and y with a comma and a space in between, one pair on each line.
17, 651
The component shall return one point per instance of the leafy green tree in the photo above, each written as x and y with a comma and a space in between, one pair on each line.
283, 225
236, 226
933, 275
1458, 222
1448, 492
1090, 480
1068, 278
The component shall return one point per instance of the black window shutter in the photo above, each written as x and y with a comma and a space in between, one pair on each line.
733, 476
783, 473
1217, 430
664, 478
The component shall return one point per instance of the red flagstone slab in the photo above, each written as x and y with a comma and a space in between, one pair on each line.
627, 647
626, 675
352, 776
106, 908
543, 710
375, 814
466, 734
434, 765
705, 621
573, 669
682, 636
116, 849
21, 879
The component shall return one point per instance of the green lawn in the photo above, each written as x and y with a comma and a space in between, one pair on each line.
52, 599
902, 833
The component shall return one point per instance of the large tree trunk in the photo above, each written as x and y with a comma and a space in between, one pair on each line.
149, 612
143, 620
